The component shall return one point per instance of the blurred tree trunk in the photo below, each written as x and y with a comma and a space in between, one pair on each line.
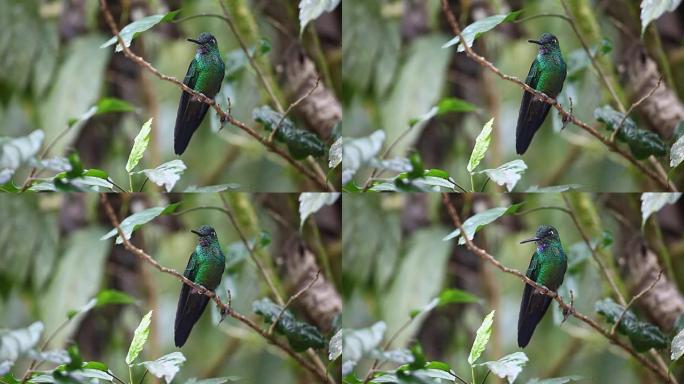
640, 265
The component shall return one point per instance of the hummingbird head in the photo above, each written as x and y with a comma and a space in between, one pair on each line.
547, 43
205, 231
545, 235
206, 42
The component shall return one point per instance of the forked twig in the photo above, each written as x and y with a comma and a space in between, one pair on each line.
292, 299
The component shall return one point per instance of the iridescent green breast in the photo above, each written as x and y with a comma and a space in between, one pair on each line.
210, 72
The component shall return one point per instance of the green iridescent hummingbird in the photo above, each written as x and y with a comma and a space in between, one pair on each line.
546, 75
205, 268
547, 268
205, 75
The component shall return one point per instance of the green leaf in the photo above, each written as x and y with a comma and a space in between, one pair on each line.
677, 349
112, 104
132, 222
357, 152
481, 338
139, 339
213, 380
474, 30
129, 32
300, 335
300, 142
211, 188
310, 10
416, 88
75, 359
453, 104
335, 346
642, 143
397, 356
106, 297
15, 343
507, 174
652, 202
311, 202
112, 296
166, 174
556, 380
96, 365
58, 356
360, 342
166, 366
481, 145
643, 335
677, 152
449, 104
448, 296
479, 220
508, 366
335, 155
553, 188
16, 151
139, 146
653, 9
415, 282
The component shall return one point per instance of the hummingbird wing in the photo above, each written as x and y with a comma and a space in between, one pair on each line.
532, 112
532, 307
190, 113
190, 305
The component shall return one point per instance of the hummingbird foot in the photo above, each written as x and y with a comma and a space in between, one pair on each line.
541, 98
542, 290
225, 310
566, 119
567, 311
200, 291
198, 98
225, 117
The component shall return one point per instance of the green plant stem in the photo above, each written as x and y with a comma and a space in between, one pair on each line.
320, 57
130, 375
143, 377
130, 182
115, 376
472, 373
664, 252
472, 183
320, 250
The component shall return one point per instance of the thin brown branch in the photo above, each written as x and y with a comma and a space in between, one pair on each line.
211, 102
571, 20
594, 254
282, 118
635, 298
252, 63
663, 182
225, 309
228, 211
634, 105
662, 374
292, 299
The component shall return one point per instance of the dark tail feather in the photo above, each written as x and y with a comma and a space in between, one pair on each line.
530, 118
190, 308
189, 116
532, 310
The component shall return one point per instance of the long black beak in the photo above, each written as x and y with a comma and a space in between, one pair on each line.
195, 41
530, 240
529, 41
195, 232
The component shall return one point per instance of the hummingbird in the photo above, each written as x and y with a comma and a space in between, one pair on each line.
204, 75
546, 75
205, 268
547, 268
